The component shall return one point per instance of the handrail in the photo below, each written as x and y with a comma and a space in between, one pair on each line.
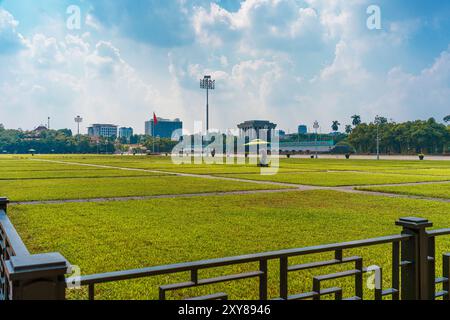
12, 237
438, 232
204, 264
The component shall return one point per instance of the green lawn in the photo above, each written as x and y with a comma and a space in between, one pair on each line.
80, 173
111, 236
332, 179
296, 171
87, 188
425, 190
406, 167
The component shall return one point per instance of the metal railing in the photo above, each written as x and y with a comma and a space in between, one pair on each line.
413, 269
10, 245
262, 272
24, 276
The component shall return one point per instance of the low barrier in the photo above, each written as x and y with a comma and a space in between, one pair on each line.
413, 269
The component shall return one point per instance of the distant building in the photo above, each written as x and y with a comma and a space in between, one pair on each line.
281, 133
251, 128
36, 133
102, 130
40, 129
163, 128
307, 146
126, 133
302, 129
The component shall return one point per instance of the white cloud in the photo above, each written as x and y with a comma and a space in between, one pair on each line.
288, 61
10, 40
65, 78
422, 95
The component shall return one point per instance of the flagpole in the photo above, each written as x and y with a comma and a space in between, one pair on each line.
153, 135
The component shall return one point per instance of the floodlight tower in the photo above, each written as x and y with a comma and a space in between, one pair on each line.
316, 127
208, 84
78, 120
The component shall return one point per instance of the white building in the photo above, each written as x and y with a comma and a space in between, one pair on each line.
102, 130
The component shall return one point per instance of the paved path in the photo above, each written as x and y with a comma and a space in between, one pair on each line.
293, 187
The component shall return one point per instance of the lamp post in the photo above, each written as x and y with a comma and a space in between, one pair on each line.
208, 84
78, 120
316, 128
377, 121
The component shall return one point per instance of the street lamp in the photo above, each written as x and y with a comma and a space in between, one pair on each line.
316, 128
377, 122
208, 84
78, 120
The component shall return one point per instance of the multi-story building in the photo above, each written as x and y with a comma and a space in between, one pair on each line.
163, 128
126, 133
302, 129
102, 130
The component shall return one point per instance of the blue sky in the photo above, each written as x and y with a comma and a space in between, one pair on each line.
289, 61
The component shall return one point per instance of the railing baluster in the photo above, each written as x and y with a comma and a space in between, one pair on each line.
396, 270
338, 255
446, 274
162, 294
91, 291
431, 258
263, 280
359, 279
284, 278
194, 276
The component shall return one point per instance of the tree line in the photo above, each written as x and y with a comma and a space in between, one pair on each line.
16, 141
411, 137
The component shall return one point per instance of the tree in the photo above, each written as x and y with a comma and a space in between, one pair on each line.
356, 120
447, 118
65, 132
380, 120
348, 129
410, 137
335, 126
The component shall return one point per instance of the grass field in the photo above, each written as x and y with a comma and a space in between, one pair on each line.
424, 190
333, 179
110, 236
102, 237
87, 188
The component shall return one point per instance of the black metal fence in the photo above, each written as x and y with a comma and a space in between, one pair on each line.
24, 276
413, 269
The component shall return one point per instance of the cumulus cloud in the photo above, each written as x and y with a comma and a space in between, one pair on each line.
289, 61
160, 23
73, 76
10, 40
423, 95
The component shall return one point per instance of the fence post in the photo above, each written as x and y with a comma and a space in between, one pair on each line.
37, 277
415, 281
3, 203
29, 277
